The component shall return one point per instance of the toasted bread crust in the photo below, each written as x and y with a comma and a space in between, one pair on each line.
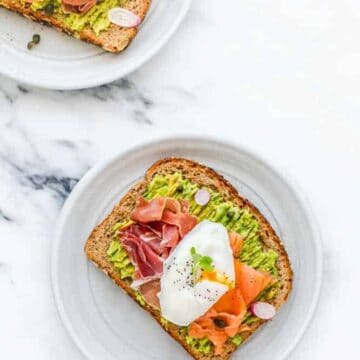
114, 39
100, 238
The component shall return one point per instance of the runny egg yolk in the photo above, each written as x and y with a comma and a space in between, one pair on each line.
217, 277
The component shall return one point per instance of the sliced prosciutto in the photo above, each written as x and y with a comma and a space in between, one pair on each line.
150, 291
147, 248
169, 211
77, 6
158, 226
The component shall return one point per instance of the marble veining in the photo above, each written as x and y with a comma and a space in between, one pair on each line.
124, 89
7, 96
62, 186
5, 217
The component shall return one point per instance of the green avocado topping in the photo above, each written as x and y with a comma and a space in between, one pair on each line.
164, 322
228, 214
42, 4
120, 260
237, 339
140, 299
204, 345
96, 18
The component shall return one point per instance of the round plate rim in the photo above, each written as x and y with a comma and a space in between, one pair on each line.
116, 73
278, 171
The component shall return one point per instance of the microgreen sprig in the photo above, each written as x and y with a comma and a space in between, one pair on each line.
200, 262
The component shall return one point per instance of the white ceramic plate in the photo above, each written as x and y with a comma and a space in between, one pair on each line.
62, 62
106, 324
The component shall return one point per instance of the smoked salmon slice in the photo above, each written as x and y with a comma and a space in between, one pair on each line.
224, 319
250, 281
236, 242
231, 302
217, 327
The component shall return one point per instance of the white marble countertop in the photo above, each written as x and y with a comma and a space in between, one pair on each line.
282, 79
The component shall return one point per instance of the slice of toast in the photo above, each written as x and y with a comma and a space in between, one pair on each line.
113, 39
100, 238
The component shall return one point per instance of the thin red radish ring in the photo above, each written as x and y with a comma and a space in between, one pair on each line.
202, 197
263, 310
123, 17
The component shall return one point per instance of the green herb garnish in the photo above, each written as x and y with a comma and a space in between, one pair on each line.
220, 323
35, 41
200, 262
36, 38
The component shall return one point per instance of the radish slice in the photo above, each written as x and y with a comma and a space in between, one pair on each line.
263, 310
122, 17
202, 197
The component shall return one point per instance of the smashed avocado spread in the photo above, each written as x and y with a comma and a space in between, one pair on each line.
228, 214
202, 345
120, 260
96, 18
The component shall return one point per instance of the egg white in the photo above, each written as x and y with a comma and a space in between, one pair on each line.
181, 300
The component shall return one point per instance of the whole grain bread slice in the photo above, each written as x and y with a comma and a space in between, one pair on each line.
100, 238
114, 39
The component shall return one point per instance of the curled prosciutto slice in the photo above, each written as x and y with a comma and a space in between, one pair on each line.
159, 225
150, 291
77, 6
169, 211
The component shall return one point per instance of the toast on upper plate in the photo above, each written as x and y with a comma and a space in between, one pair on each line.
113, 39
99, 240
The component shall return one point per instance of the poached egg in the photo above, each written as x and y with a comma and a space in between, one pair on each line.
187, 294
